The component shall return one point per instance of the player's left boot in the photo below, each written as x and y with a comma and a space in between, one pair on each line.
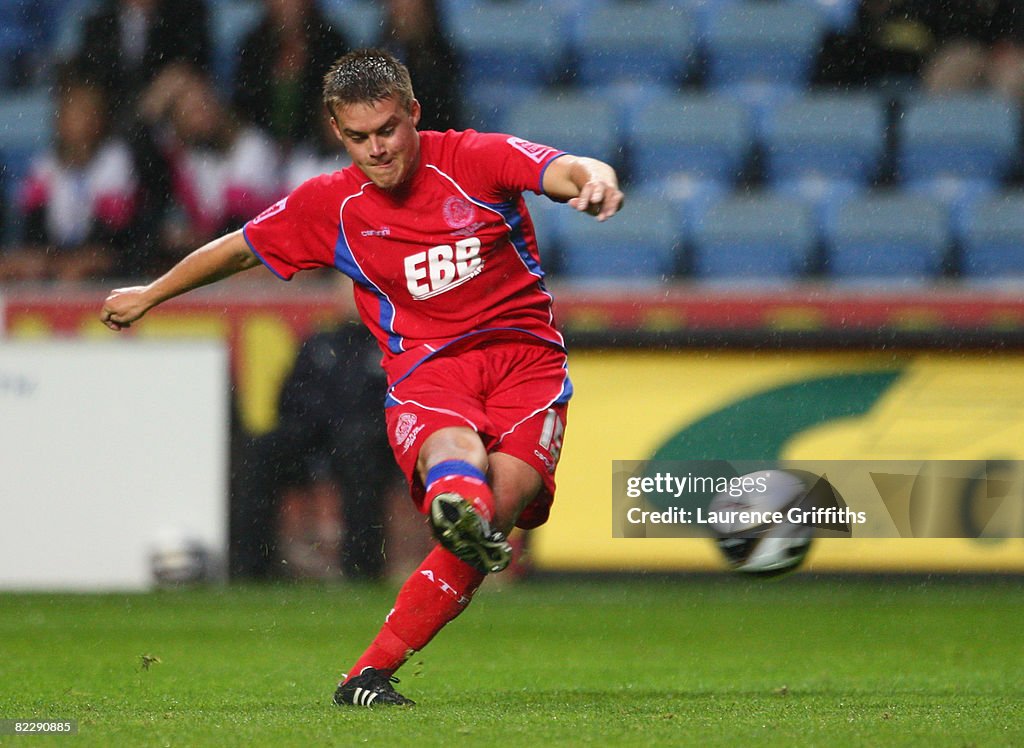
460, 528
370, 687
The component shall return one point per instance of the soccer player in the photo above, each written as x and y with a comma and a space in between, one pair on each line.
433, 229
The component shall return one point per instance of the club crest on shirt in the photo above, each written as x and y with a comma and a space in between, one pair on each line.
458, 212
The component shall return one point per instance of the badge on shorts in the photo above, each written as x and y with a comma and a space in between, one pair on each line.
405, 423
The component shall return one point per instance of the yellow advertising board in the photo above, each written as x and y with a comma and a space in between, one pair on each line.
747, 405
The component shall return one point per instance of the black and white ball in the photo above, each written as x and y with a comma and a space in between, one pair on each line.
763, 548
178, 558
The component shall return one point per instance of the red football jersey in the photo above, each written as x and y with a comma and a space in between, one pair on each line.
451, 254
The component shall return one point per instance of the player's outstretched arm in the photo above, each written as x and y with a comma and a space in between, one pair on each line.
587, 184
219, 259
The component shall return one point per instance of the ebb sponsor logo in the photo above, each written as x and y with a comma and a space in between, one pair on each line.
442, 268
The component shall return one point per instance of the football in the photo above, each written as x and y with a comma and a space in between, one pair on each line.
177, 558
751, 523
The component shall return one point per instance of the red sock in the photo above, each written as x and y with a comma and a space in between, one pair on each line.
437, 592
469, 482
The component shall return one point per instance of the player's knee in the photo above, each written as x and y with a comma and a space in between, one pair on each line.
454, 443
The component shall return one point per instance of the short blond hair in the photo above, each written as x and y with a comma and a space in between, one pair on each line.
365, 76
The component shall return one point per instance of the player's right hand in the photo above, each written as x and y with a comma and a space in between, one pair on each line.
123, 306
601, 198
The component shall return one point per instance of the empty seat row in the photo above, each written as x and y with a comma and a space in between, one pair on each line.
881, 236
534, 43
529, 41
743, 42
939, 144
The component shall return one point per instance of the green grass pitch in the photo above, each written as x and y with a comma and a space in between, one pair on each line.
802, 661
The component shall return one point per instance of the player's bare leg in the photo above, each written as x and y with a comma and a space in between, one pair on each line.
443, 585
453, 466
452, 443
514, 484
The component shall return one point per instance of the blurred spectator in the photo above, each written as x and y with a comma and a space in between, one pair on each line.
78, 200
313, 491
312, 158
981, 45
127, 43
281, 67
414, 34
945, 46
222, 172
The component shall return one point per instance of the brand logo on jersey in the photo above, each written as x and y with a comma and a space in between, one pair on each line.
458, 212
382, 231
273, 210
470, 229
534, 151
442, 268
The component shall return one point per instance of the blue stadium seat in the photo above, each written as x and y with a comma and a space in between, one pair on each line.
637, 42
992, 239
772, 44
756, 237
832, 136
890, 235
824, 148
68, 26
26, 126
230, 22
544, 213
962, 137
957, 195
691, 197
703, 12
824, 196
645, 245
486, 105
695, 135
958, 149
361, 21
570, 121
449, 10
515, 41
840, 15
629, 98
16, 39
43, 17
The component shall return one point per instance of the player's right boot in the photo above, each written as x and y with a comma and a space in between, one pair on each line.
459, 528
370, 687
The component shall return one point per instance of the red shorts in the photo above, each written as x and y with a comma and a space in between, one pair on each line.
513, 393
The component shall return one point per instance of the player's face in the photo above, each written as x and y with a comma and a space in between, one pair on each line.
381, 138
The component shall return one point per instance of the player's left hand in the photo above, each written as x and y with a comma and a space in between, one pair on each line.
599, 198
